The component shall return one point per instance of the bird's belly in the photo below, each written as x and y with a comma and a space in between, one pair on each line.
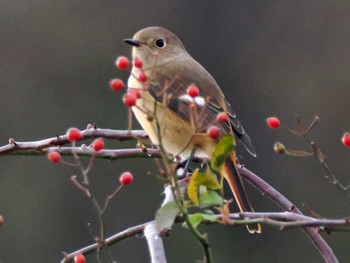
175, 134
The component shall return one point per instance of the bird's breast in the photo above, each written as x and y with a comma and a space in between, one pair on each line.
165, 127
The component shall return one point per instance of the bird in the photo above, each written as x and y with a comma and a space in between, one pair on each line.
172, 117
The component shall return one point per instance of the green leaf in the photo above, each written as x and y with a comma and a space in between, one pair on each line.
166, 216
195, 219
221, 152
206, 178
198, 218
210, 198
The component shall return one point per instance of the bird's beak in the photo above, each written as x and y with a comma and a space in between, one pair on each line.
132, 42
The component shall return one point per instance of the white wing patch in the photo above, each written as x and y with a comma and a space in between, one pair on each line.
200, 101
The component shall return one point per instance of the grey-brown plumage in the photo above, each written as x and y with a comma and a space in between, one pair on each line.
180, 75
171, 70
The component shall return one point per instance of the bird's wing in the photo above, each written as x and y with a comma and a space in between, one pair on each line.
171, 89
239, 131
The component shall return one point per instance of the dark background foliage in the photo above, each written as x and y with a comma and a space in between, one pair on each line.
270, 58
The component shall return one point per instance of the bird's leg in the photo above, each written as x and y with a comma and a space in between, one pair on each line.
182, 168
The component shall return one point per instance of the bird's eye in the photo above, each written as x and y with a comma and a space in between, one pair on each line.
160, 43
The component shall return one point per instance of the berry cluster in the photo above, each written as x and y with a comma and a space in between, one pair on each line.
132, 95
73, 135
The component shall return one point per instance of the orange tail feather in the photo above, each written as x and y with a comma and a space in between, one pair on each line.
234, 180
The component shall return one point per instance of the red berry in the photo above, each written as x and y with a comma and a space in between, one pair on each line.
222, 117
126, 178
122, 62
54, 157
116, 84
193, 91
79, 258
138, 63
136, 92
98, 144
142, 77
346, 139
1, 220
273, 122
73, 134
129, 99
213, 132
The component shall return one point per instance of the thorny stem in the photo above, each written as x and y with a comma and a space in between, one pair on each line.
40, 147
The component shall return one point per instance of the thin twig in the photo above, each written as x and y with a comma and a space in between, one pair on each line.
110, 197
330, 175
317, 153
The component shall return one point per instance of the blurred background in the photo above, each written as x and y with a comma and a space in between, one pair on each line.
271, 58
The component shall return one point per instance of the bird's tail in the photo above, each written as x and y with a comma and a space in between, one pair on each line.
234, 180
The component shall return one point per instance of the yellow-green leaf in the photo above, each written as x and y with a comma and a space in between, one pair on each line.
192, 189
209, 198
221, 152
198, 218
209, 179
206, 178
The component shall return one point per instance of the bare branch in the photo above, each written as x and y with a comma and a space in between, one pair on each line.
155, 243
281, 219
42, 146
291, 219
36, 147
285, 204
132, 231
110, 154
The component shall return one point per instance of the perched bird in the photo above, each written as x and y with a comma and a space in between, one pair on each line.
175, 118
